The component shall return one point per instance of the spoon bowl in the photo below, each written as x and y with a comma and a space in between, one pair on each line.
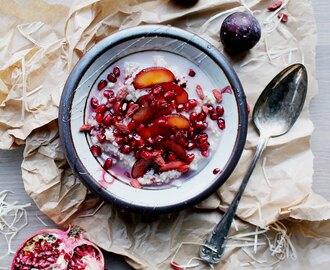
280, 104
275, 112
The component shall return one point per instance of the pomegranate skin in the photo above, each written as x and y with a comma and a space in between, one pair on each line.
72, 251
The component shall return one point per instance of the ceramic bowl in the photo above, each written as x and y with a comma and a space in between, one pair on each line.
76, 95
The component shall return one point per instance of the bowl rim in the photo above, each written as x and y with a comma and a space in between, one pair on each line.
132, 33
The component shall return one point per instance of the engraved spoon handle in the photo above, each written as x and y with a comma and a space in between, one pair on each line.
213, 249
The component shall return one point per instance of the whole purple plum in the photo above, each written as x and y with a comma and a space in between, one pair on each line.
240, 32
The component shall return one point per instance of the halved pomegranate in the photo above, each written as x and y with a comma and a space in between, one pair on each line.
57, 249
152, 76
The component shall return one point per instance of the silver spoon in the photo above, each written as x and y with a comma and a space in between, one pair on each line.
275, 112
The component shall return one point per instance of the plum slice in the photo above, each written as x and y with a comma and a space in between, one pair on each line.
181, 94
177, 165
140, 167
153, 131
144, 112
172, 121
175, 148
152, 76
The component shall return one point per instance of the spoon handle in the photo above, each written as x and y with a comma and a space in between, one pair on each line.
213, 249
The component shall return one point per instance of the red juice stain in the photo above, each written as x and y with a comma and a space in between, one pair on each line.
104, 183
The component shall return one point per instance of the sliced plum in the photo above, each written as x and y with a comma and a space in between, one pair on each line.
151, 76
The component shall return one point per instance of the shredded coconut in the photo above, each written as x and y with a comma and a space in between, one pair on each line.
13, 218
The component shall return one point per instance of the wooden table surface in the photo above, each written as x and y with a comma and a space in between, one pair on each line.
10, 161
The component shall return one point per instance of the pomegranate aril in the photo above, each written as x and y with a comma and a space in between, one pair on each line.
146, 155
201, 116
101, 137
221, 123
220, 111
192, 103
102, 84
108, 93
193, 117
210, 108
132, 125
201, 125
169, 95
214, 116
190, 158
107, 120
112, 100
94, 102
119, 140
111, 78
99, 118
125, 149
205, 153
190, 146
159, 138
96, 150
116, 71
157, 90
137, 154
191, 73
180, 108
101, 108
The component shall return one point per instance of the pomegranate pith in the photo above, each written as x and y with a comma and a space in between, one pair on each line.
57, 249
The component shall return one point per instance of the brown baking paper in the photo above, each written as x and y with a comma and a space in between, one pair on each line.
40, 43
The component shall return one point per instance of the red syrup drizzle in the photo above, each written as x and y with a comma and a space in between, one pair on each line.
104, 184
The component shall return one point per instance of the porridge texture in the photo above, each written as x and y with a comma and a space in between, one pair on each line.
153, 117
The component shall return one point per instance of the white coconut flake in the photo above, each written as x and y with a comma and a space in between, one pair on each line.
13, 218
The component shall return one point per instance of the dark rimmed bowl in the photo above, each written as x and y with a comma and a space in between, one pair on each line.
73, 109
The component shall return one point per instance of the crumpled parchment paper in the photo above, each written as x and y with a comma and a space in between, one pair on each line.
40, 44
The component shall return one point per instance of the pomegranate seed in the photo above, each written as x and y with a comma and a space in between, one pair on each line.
193, 117
96, 150
220, 111
205, 153
216, 171
112, 100
201, 125
169, 95
106, 166
99, 118
101, 109
157, 90
107, 120
221, 123
115, 120
163, 105
275, 5
125, 149
146, 154
111, 78
116, 132
108, 93
150, 97
191, 73
214, 116
173, 104
151, 140
153, 103
183, 142
190, 146
119, 140
283, 17
137, 154
192, 103
210, 109
94, 102
116, 71
86, 127
101, 137
159, 138
102, 84
171, 157
201, 116
180, 107
172, 137
190, 158
117, 108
